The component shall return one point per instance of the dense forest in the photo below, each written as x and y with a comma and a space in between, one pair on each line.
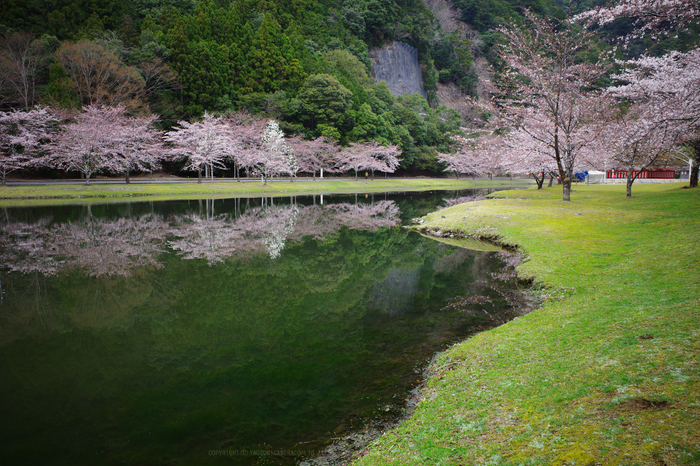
304, 63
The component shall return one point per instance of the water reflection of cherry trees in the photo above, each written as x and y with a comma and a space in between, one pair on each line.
97, 246
103, 246
274, 320
266, 230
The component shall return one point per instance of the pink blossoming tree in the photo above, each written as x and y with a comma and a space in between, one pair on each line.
671, 83
648, 15
548, 93
21, 134
367, 156
203, 144
268, 156
89, 143
313, 155
139, 145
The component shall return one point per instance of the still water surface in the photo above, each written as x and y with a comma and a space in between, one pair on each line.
237, 331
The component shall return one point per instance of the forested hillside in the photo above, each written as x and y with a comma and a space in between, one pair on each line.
304, 63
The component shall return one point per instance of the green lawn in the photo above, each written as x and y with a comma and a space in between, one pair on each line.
606, 371
57, 194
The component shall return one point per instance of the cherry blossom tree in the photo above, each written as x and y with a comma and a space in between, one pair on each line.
89, 143
275, 149
384, 158
648, 15
472, 156
518, 152
243, 133
667, 91
500, 151
313, 155
367, 156
672, 82
460, 162
21, 133
203, 143
138, 144
292, 161
639, 137
354, 157
269, 158
548, 93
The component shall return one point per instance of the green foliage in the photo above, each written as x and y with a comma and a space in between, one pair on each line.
323, 101
454, 61
487, 14
59, 91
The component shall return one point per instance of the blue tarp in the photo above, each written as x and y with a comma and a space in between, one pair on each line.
581, 175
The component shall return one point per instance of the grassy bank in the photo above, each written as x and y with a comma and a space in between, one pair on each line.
607, 371
20, 195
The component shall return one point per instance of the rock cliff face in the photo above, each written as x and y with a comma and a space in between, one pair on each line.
397, 64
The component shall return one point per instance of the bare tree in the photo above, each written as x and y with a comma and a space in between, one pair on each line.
21, 56
100, 77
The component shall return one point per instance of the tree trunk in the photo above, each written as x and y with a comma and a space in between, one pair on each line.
87, 179
551, 180
693, 181
538, 180
128, 180
566, 189
630, 179
199, 175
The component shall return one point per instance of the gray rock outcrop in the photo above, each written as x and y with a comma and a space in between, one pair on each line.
397, 64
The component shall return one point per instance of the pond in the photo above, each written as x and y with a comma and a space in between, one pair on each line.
233, 331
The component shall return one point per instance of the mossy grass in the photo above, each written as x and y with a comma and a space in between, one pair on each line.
606, 371
59, 193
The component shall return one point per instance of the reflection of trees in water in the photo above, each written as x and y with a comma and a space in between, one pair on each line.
107, 247
490, 290
33, 314
266, 230
94, 245
104, 265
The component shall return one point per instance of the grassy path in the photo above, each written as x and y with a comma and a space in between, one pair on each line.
45, 194
607, 371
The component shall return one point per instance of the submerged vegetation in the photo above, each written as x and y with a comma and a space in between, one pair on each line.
606, 372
